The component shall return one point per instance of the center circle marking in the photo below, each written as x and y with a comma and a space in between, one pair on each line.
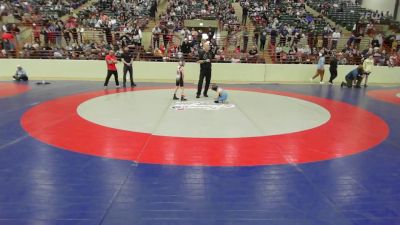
255, 114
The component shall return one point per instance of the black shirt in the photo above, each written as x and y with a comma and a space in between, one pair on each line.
203, 55
127, 57
253, 52
245, 11
185, 47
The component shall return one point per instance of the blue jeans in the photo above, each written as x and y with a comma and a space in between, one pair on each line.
223, 97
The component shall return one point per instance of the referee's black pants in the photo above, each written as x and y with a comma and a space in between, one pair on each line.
204, 73
109, 73
126, 70
333, 75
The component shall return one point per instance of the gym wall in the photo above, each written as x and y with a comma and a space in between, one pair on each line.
166, 71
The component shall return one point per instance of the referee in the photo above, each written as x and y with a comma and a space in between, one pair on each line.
205, 57
127, 59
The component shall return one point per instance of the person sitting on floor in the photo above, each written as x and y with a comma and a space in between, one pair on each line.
20, 74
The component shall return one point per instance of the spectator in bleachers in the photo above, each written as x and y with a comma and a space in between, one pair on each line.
252, 55
156, 33
220, 54
263, 39
186, 46
336, 35
245, 12
8, 40
153, 10
245, 38
256, 33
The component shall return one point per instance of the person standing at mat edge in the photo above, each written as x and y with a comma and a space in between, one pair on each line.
205, 57
368, 64
320, 68
127, 59
333, 68
111, 61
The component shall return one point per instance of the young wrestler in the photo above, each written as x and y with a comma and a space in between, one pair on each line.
222, 96
180, 73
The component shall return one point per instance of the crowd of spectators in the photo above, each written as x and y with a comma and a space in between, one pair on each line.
179, 10
351, 15
9, 34
282, 27
384, 49
285, 22
118, 15
35, 11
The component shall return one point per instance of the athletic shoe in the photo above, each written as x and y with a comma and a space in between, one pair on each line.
216, 101
117, 86
175, 98
365, 85
105, 87
311, 79
321, 82
342, 84
183, 98
205, 95
133, 85
357, 86
330, 83
197, 96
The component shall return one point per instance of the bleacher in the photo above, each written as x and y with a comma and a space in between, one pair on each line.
346, 13
37, 11
122, 14
180, 10
288, 13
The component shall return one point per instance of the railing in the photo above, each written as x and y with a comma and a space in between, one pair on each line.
230, 53
141, 55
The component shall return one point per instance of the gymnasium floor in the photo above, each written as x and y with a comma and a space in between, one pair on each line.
72, 153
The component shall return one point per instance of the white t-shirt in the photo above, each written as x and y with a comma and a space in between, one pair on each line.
336, 35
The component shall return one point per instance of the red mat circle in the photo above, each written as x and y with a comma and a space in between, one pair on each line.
389, 96
12, 89
57, 123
